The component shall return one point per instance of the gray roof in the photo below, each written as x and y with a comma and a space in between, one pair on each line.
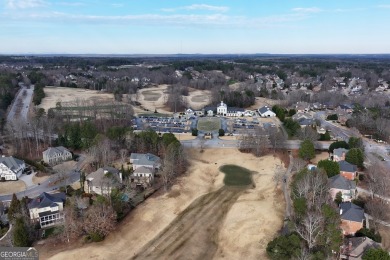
12, 163
347, 167
264, 109
55, 150
351, 212
47, 200
356, 246
339, 151
143, 170
99, 177
339, 182
235, 109
144, 159
305, 121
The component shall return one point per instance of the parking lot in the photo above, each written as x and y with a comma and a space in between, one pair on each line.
239, 125
163, 124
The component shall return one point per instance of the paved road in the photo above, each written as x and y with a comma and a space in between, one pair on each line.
23, 99
364, 191
47, 185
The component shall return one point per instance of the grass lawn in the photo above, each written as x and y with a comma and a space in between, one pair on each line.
236, 175
151, 95
209, 124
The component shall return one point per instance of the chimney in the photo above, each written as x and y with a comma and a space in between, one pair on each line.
341, 211
120, 176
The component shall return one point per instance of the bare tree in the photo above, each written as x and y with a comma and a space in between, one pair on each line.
123, 153
276, 137
100, 219
279, 174
308, 133
298, 164
310, 228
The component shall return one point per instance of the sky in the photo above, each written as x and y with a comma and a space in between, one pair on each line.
206, 27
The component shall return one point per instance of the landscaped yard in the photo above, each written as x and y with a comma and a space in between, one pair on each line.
151, 95
209, 124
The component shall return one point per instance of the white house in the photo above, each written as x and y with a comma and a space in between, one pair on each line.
47, 209
103, 180
11, 168
222, 109
266, 112
55, 155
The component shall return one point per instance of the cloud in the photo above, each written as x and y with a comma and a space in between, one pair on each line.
216, 20
307, 10
197, 7
72, 3
23, 4
384, 6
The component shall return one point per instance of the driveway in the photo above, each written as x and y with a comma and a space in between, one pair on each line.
27, 179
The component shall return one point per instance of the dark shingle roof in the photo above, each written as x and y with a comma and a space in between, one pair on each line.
47, 200
264, 109
11, 162
347, 167
339, 182
351, 212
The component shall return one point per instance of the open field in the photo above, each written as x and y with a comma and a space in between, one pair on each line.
227, 137
209, 124
60, 94
155, 97
241, 229
183, 137
11, 187
197, 99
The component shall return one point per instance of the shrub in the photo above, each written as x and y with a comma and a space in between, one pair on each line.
332, 117
221, 132
194, 132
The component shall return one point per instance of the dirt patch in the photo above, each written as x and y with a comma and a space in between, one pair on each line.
227, 137
60, 94
183, 137
320, 156
202, 185
11, 187
385, 233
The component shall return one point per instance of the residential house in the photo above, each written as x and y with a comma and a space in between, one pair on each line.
304, 122
355, 247
300, 115
144, 168
103, 180
56, 155
348, 170
266, 112
302, 107
339, 154
321, 130
47, 209
338, 184
352, 218
11, 168
209, 111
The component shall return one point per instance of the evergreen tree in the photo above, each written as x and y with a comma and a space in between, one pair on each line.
376, 254
20, 234
14, 208
307, 151
355, 156
331, 168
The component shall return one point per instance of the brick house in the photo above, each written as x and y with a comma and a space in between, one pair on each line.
338, 184
352, 218
348, 170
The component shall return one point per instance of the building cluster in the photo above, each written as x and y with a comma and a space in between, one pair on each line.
223, 110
